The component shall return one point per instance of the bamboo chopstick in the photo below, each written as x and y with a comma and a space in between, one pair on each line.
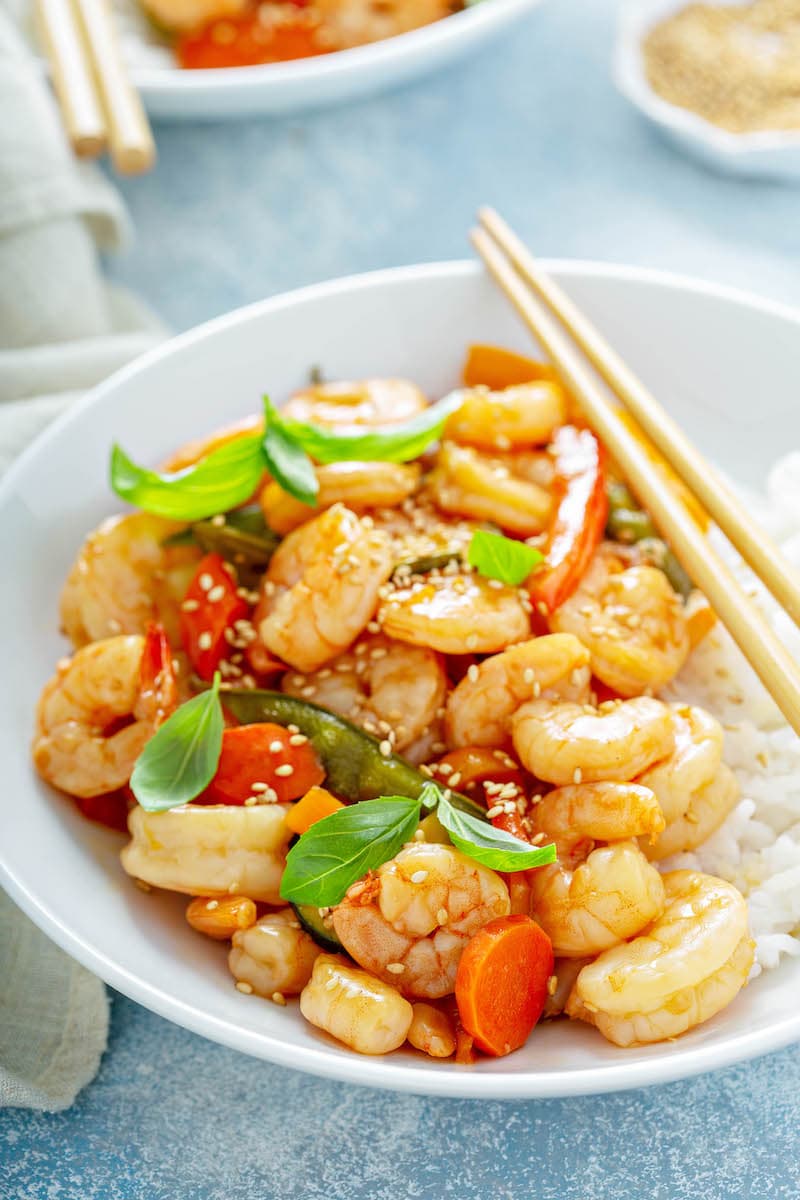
130, 136
723, 506
765, 653
73, 81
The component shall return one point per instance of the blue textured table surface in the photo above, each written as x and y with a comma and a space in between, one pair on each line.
234, 213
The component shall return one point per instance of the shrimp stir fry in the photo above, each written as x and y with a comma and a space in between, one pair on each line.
440, 755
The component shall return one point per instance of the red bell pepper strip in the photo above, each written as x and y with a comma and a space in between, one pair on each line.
213, 608
157, 674
260, 754
580, 516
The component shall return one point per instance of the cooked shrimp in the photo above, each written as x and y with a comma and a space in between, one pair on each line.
469, 484
456, 614
431, 1032
359, 485
119, 679
125, 577
210, 850
563, 742
321, 588
523, 415
695, 789
368, 1015
479, 709
409, 922
274, 955
631, 621
356, 405
391, 689
593, 898
688, 966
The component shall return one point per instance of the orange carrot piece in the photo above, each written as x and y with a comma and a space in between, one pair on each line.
259, 754
497, 368
317, 803
501, 984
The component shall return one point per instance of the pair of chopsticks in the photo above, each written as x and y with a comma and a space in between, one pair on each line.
570, 339
99, 105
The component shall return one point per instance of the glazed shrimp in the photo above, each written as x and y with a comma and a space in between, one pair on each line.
360, 486
357, 405
321, 588
367, 1014
125, 577
126, 678
210, 850
631, 621
519, 416
409, 922
592, 899
456, 614
695, 789
468, 484
564, 742
274, 955
686, 967
389, 688
480, 707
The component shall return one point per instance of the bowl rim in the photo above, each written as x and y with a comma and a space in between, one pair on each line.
355, 1069
634, 19
324, 68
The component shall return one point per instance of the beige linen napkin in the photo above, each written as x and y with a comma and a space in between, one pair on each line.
63, 328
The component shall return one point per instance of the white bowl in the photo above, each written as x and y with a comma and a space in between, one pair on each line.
728, 367
308, 83
773, 154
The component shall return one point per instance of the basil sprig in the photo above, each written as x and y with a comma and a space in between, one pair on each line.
286, 460
181, 758
503, 558
339, 849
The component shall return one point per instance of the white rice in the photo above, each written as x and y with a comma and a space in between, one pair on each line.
758, 847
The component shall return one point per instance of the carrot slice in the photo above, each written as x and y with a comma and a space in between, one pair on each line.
496, 368
259, 754
317, 803
501, 984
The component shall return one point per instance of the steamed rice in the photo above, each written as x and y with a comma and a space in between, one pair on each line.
758, 847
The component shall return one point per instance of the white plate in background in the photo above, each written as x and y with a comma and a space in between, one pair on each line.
728, 367
771, 153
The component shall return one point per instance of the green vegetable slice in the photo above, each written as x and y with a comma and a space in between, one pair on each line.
324, 935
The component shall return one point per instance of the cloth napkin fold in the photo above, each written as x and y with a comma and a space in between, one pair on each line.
63, 328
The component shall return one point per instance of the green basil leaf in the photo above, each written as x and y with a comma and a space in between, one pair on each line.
224, 478
493, 847
340, 848
286, 459
181, 758
389, 443
499, 557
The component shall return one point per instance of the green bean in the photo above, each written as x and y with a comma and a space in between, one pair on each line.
244, 539
632, 526
355, 768
428, 562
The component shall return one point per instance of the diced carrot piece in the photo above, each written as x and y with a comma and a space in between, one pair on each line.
496, 368
501, 983
259, 754
317, 803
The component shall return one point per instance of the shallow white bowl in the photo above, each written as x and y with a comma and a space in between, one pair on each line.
728, 367
310, 83
772, 154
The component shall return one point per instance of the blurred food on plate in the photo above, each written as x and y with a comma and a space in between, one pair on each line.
738, 66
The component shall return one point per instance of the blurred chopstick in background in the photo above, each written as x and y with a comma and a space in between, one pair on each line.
564, 331
100, 107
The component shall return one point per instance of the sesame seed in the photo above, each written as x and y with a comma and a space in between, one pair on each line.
473, 673
419, 835
538, 839
142, 886
542, 608
395, 968
284, 770
308, 691
212, 904
331, 983
552, 985
205, 582
250, 801
472, 641
577, 775
537, 689
385, 748
190, 605
419, 876
528, 675
298, 739
442, 916
279, 998
204, 640
444, 769
497, 811
243, 986
455, 779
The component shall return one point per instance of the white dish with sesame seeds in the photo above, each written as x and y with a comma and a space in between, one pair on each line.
706, 350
